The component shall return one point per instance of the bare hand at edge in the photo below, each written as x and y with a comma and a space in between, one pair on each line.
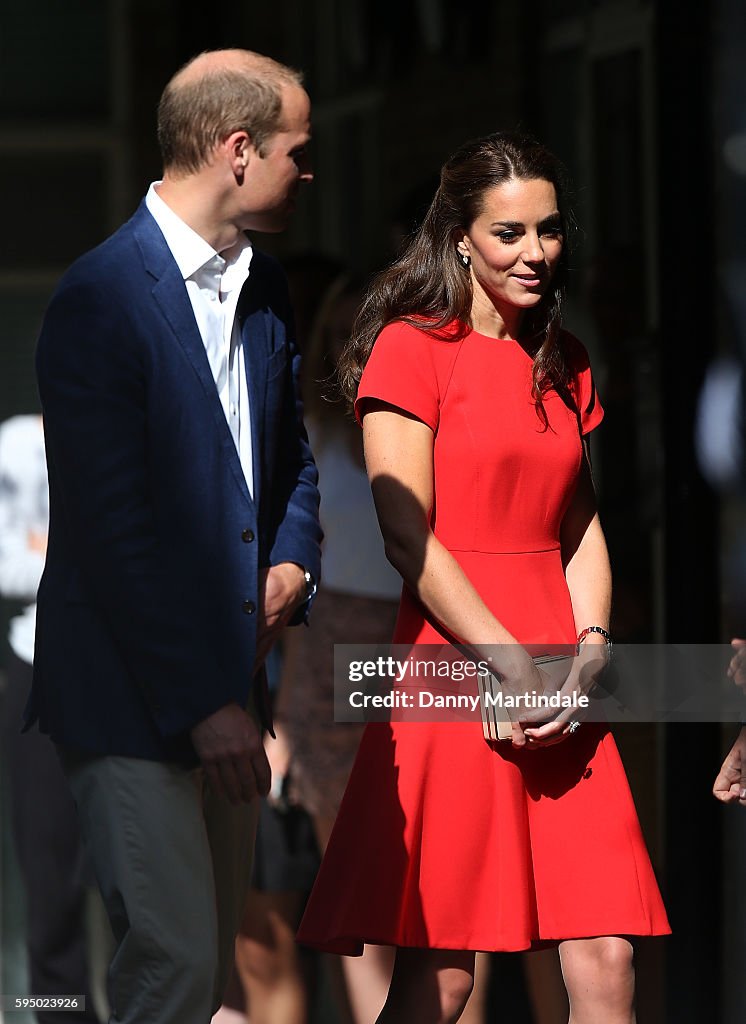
737, 666
730, 784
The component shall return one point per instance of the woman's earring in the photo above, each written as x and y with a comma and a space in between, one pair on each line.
466, 260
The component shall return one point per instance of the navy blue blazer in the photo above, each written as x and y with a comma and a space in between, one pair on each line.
146, 618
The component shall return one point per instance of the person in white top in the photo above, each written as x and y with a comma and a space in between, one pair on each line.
44, 826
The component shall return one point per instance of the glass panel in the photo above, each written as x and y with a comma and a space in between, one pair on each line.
561, 127
631, 442
54, 60
63, 190
21, 312
616, 134
554, 12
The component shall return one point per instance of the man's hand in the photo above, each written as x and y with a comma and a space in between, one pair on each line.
281, 589
730, 785
737, 667
229, 745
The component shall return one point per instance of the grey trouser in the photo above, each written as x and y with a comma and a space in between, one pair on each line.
173, 863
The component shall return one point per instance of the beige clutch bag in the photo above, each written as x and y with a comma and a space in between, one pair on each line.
496, 722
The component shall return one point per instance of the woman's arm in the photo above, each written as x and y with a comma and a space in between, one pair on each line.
586, 559
399, 459
588, 574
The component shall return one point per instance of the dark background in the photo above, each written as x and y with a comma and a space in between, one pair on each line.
644, 101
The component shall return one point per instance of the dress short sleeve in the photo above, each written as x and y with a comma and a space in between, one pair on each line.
401, 370
589, 405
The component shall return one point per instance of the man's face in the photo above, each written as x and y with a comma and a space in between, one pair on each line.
272, 179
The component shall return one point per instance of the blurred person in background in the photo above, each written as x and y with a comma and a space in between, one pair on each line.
356, 603
719, 439
275, 979
43, 819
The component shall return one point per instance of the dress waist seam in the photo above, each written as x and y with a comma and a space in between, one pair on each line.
491, 551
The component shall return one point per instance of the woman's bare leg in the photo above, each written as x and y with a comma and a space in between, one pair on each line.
359, 984
367, 979
600, 979
268, 960
430, 986
546, 989
476, 1007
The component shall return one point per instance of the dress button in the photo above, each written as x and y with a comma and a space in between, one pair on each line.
249, 607
247, 536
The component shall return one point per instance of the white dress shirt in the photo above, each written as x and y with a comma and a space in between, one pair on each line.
213, 283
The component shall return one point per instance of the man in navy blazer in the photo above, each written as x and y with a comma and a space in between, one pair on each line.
184, 528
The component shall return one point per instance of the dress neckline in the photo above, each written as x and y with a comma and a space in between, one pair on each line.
489, 337
514, 343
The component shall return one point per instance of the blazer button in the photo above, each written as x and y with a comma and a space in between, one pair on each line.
249, 607
247, 536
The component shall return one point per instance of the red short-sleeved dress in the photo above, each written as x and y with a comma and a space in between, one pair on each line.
443, 841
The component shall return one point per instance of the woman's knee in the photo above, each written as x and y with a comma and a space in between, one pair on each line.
454, 994
436, 984
607, 961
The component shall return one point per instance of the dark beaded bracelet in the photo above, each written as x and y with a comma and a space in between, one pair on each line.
594, 629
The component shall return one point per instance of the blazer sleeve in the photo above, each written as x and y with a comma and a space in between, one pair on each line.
295, 499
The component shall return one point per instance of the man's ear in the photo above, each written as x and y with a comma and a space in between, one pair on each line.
239, 150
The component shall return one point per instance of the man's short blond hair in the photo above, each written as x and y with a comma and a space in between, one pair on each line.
215, 94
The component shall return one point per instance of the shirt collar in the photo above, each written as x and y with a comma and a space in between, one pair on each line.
190, 250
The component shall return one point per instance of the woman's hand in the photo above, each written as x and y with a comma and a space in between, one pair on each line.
587, 666
518, 676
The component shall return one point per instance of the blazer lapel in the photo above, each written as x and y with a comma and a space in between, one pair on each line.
171, 296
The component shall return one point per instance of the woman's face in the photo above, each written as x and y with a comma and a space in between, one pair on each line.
515, 244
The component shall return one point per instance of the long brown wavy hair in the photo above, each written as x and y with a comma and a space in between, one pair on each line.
428, 286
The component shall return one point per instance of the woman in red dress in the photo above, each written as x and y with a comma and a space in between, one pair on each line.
473, 402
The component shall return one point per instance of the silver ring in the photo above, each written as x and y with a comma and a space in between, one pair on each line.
573, 727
